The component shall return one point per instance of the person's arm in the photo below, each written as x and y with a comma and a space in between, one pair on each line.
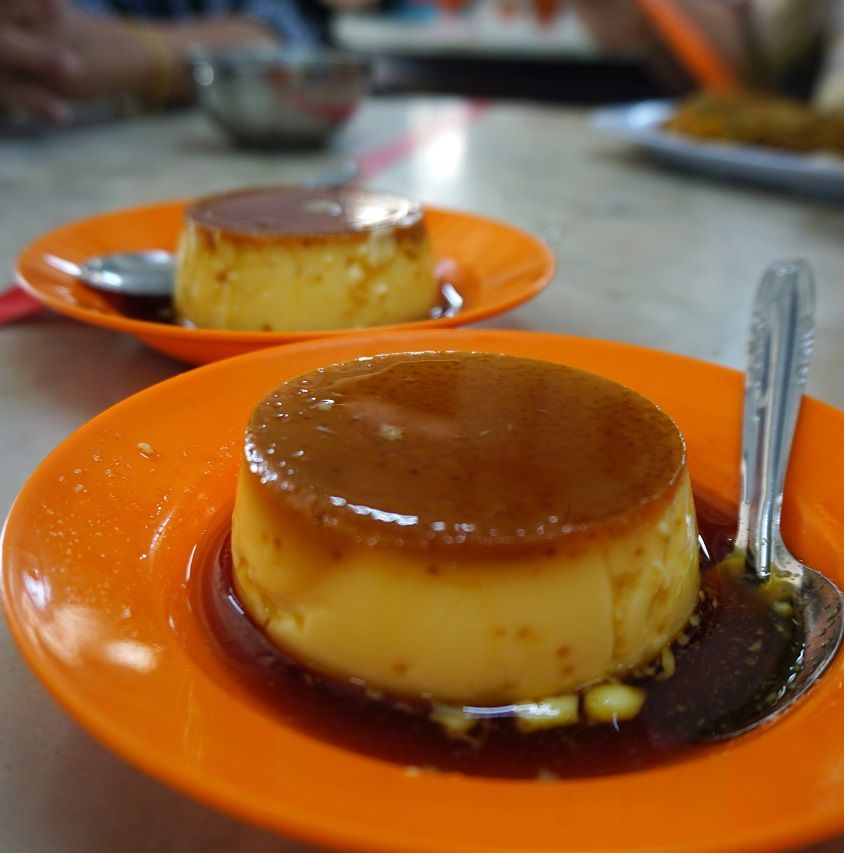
35, 68
52, 52
758, 39
148, 60
621, 25
166, 46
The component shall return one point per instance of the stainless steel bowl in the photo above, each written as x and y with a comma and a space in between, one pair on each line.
277, 97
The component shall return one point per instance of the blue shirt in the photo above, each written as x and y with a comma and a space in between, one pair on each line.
300, 22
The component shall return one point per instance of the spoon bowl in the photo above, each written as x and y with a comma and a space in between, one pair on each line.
148, 273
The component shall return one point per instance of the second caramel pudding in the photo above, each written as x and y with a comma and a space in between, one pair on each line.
474, 528
299, 259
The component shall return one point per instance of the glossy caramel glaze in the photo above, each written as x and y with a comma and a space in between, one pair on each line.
471, 450
303, 211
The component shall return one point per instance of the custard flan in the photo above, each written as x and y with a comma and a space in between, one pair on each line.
298, 258
471, 528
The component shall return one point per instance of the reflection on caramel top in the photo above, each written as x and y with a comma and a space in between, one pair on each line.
304, 211
463, 449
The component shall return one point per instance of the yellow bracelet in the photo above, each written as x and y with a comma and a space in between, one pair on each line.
163, 76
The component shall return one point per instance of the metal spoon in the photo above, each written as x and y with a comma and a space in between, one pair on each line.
149, 273
152, 272
780, 348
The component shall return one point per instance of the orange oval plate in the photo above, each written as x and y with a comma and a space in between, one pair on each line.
95, 557
495, 267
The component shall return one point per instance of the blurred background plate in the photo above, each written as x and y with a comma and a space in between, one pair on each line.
641, 123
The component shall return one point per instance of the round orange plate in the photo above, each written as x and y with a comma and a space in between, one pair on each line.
95, 582
494, 267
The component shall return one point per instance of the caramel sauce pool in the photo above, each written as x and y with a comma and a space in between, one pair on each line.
740, 656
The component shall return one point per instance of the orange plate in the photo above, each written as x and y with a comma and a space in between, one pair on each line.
95, 555
495, 267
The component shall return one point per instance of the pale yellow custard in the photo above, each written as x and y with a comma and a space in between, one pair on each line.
298, 259
472, 528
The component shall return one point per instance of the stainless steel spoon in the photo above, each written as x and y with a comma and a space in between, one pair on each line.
148, 273
780, 348
152, 272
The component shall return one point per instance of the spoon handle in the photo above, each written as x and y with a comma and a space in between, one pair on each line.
780, 348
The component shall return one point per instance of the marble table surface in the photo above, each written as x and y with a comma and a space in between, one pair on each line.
645, 255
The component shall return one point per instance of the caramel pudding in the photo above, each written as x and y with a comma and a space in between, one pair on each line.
472, 528
295, 258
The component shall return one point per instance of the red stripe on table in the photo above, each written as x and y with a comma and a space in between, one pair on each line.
378, 160
15, 304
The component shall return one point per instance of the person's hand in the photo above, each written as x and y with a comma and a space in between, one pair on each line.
113, 55
37, 69
53, 53
30, 12
145, 59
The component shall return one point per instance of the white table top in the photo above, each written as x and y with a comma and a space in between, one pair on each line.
646, 256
